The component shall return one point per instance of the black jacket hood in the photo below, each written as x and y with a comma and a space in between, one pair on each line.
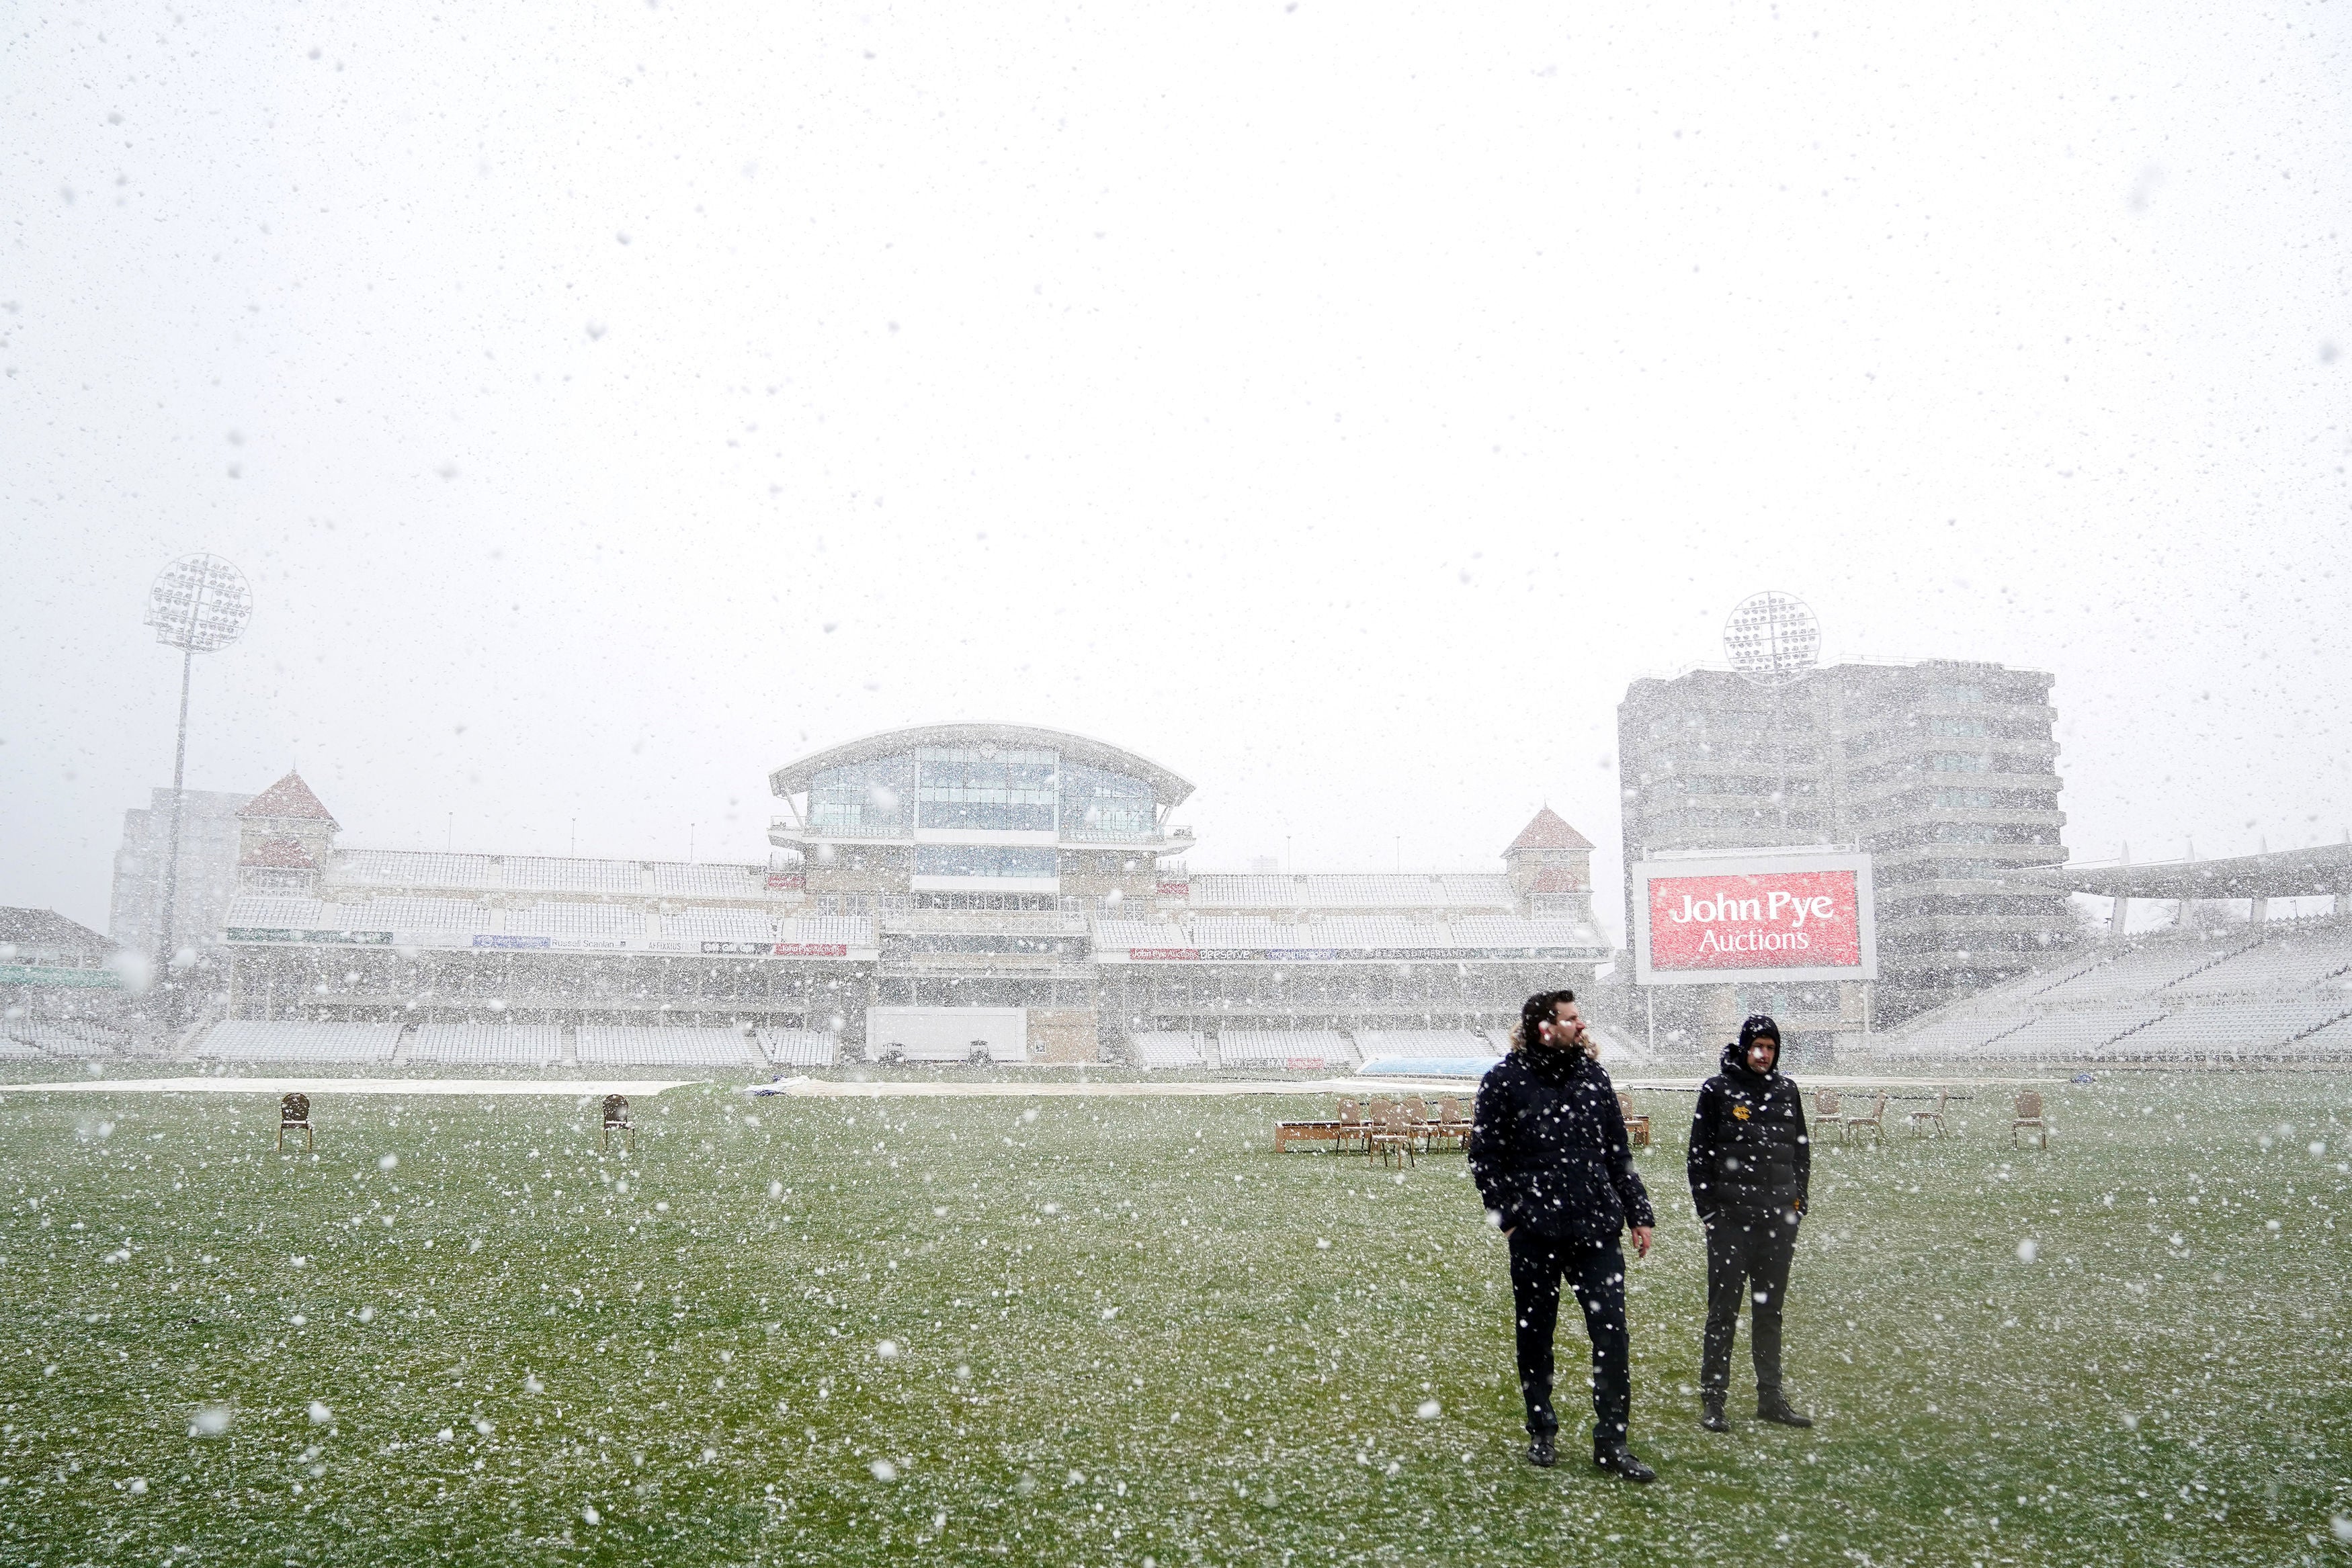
1736, 1068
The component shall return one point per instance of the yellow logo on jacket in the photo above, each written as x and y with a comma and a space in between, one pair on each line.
1740, 1112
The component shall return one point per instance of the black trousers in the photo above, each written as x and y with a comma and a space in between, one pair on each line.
1747, 1257
1596, 1272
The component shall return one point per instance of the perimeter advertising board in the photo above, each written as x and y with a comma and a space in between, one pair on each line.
1754, 917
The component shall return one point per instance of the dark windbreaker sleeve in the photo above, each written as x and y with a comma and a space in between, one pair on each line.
1804, 1153
1492, 1159
1630, 1193
1701, 1164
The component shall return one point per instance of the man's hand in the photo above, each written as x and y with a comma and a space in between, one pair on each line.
1640, 1241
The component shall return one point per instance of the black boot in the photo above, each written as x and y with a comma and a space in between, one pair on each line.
1773, 1406
1620, 1461
1539, 1450
1710, 1413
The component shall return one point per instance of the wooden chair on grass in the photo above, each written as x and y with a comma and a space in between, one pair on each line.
1392, 1136
1637, 1127
1918, 1120
616, 1120
1874, 1119
1415, 1111
2028, 1118
1826, 1112
294, 1111
1353, 1127
1453, 1123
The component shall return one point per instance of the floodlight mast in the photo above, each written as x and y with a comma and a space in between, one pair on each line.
198, 604
1774, 641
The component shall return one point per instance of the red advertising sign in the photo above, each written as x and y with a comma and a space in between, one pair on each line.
1785, 916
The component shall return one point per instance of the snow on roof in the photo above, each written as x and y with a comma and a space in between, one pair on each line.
1548, 831
289, 798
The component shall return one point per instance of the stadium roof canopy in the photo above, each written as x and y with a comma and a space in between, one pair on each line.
2312, 872
1167, 788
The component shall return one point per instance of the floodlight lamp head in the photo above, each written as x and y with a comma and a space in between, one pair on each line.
200, 603
1772, 638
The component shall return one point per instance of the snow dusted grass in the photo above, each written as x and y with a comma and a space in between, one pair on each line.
1113, 1330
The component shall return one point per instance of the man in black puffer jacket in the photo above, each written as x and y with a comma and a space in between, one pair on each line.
1548, 1152
1751, 1165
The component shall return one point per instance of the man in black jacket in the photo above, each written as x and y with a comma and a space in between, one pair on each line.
1548, 1152
1751, 1165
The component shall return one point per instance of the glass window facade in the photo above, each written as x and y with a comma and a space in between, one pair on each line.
1096, 801
875, 797
984, 860
1000, 789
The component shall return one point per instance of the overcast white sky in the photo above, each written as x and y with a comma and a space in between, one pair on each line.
1339, 405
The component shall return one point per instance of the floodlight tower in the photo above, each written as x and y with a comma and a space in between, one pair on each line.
199, 604
1775, 641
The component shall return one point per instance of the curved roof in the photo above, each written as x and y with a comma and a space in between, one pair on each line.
1168, 787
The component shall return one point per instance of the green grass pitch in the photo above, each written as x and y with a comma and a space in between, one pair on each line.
1123, 1331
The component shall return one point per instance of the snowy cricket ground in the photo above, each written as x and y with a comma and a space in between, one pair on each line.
1123, 1330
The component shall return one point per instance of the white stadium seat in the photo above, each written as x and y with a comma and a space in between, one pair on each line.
661, 1045
1375, 1043
798, 1047
488, 1044
253, 912
1277, 1048
1169, 1048
719, 925
709, 881
2141, 971
298, 1041
563, 874
2287, 964
580, 922
415, 868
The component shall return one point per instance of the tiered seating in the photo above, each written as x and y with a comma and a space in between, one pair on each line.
719, 925
16, 1050
1169, 1048
585, 921
1477, 890
709, 881
1247, 931
798, 1047
73, 1037
440, 915
1374, 892
2087, 1032
1278, 1047
488, 1044
1218, 889
550, 873
660, 1045
275, 913
1951, 1032
848, 930
1124, 935
2281, 964
1515, 931
1213, 890
2232, 1029
1376, 1043
255, 1039
2139, 972
415, 868
1377, 931
2333, 1043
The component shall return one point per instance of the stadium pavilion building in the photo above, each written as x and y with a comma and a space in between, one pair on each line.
946, 893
